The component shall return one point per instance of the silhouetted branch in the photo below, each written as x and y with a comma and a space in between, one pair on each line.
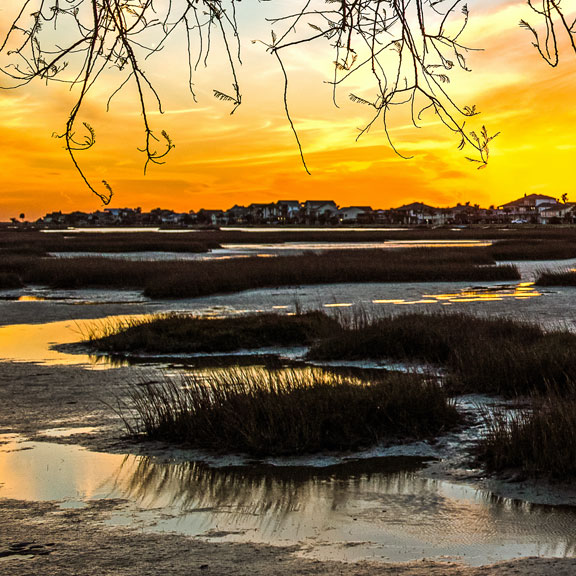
408, 48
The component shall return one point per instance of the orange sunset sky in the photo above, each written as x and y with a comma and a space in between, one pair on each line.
222, 160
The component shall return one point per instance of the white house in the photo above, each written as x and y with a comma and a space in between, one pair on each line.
351, 213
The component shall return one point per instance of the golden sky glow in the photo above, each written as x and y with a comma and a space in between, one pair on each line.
221, 160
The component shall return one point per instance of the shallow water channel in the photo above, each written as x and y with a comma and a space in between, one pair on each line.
369, 509
384, 506
266, 250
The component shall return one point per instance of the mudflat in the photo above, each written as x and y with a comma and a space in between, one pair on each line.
45, 538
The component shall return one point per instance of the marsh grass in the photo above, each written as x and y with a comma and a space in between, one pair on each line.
539, 441
510, 243
415, 265
487, 233
489, 355
556, 278
40, 243
178, 333
535, 249
181, 279
10, 280
262, 412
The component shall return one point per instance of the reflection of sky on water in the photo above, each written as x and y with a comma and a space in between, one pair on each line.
34, 342
285, 249
382, 506
551, 307
84, 297
520, 291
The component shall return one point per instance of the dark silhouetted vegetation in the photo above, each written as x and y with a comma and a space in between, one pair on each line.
539, 441
416, 265
187, 334
541, 249
263, 412
9, 280
534, 243
183, 279
495, 355
34, 242
556, 278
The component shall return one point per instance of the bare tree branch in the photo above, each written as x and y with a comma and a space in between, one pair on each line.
404, 53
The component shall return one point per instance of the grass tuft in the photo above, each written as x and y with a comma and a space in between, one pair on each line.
556, 278
551, 248
261, 412
176, 333
540, 441
489, 355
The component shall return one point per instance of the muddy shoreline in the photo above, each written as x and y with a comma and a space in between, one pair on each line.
42, 537
76, 543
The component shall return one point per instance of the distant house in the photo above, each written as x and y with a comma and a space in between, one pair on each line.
54, 219
78, 219
420, 214
470, 214
319, 210
353, 213
459, 214
528, 208
160, 216
121, 216
287, 211
237, 214
259, 213
381, 216
211, 217
558, 213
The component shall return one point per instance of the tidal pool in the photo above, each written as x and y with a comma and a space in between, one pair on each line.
275, 249
379, 508
28, 339
36, 343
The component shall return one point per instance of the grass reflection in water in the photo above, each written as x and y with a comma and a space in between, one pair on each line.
265, 489
389, 502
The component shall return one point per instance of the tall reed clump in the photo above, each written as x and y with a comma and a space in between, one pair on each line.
261, 412
556, 278
490, 355
540, 441
179, 333
539, 249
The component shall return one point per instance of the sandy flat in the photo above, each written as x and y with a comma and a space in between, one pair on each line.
43, 538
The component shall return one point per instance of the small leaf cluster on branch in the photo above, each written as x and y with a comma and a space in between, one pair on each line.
402, 52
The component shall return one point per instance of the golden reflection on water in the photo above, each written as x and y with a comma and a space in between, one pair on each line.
31, 299
394, 510
381, 505
35, 342
385, 244
521, 291
45, 471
